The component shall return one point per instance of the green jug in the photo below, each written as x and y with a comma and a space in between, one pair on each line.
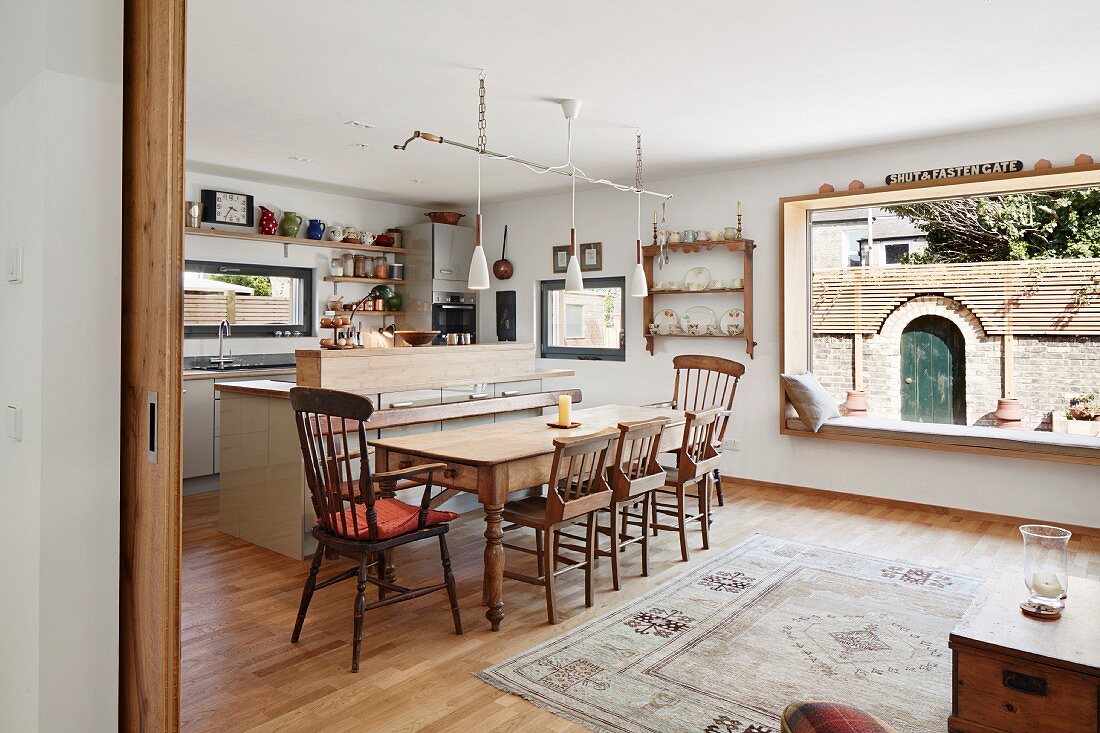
290, 224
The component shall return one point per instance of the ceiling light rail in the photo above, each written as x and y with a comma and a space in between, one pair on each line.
538, 167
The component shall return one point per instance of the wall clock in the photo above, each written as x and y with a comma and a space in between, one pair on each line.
224, 207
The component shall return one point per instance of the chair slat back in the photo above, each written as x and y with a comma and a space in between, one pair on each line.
578, 483
337, 471
635, 469
698, 455
703, 382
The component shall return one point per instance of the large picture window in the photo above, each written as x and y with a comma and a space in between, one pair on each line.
960, 315
583, 325
256, 299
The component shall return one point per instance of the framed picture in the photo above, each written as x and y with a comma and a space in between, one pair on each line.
224, 207
561, 258
506, 315
591, 256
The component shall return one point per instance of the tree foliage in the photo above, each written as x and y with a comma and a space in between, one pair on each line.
260, 284
1056, 224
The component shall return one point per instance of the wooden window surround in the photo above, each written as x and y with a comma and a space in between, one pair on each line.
795, 325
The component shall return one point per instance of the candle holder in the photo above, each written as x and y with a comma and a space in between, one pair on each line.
1046, 573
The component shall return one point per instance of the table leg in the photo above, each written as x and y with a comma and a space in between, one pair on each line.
493, 590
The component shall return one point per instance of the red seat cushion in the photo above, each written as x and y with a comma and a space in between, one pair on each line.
394, 517
829, 717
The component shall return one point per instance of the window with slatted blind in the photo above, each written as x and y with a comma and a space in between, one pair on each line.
257, 300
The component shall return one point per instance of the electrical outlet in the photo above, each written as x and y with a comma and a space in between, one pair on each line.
731, 444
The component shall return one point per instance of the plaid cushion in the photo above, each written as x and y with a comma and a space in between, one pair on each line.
829, 717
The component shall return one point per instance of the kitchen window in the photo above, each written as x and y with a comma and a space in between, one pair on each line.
583, 325
257, 300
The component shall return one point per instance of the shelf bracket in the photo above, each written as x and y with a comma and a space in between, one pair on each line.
286, 250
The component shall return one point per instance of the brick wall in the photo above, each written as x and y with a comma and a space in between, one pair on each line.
1047, 368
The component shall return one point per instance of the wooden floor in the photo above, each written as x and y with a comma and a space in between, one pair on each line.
241, 673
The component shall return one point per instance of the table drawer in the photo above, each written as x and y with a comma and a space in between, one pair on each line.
456, 475
1011, 695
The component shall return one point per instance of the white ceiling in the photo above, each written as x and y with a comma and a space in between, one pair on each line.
712, 85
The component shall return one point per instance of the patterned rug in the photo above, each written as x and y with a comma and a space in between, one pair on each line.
725, 647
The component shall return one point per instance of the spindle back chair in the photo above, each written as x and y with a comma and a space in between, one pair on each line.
696, 461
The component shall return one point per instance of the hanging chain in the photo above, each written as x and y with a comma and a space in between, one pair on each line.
481, 114
638, 164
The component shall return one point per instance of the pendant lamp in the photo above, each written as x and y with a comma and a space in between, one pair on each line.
479, 267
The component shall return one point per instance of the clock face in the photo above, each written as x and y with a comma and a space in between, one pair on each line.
231, 208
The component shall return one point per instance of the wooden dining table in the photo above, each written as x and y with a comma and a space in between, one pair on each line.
496, 460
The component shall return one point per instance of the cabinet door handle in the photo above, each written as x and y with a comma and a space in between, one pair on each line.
450, 473
152, 398
404, 464
401, 404
509, 393
479, 395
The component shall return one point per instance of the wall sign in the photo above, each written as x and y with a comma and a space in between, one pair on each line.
958, 171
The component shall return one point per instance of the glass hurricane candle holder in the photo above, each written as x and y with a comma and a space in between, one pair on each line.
1046, 551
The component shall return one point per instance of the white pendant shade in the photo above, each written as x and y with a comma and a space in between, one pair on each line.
479, 270
574, 283
638, 286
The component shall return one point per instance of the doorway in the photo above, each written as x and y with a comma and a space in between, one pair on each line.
933, 372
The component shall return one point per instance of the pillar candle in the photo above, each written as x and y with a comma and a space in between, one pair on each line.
565, 410
1045, 583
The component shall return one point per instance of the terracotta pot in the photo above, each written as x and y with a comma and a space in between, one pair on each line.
1009, 414
856, 404
444, 217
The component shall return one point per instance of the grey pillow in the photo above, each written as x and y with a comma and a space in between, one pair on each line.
813, 404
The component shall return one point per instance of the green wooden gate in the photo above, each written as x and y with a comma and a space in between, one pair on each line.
933, 372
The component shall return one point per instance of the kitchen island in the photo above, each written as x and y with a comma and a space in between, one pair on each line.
264, 498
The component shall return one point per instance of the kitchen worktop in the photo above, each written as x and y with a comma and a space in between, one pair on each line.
223, 373
398, 351
270, 388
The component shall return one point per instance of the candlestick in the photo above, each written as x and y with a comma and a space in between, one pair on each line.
565, 410
738, 219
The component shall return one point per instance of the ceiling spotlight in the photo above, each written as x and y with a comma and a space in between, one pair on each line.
301, 159
418, 180
364, 125
361, 146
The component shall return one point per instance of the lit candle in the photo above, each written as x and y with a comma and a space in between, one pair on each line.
1046, 584
739, 208
565, 410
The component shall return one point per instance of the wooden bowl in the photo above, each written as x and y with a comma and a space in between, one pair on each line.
444, 217
417, 338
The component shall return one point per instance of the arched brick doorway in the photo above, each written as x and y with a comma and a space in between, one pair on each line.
933, 371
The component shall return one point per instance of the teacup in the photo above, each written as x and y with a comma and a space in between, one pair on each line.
675, 237
653, 329
689, 235
737, 282
703, 236
716, 235
713, 331
693, 329
675, 330
730, 233
733, 329
716, 285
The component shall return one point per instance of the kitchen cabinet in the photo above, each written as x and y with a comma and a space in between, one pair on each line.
511, 389
199, 454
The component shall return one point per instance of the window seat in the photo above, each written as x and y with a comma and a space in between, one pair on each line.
986, 439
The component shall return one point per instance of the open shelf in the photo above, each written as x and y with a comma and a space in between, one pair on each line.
381, 314
278, 239
708, 291
363, 280
743, 246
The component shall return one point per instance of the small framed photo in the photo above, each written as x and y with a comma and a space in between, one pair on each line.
591, 256
561, 258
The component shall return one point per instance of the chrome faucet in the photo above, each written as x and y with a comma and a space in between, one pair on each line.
223, 331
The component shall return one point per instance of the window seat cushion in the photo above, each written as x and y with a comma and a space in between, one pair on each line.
979, 436
394, 517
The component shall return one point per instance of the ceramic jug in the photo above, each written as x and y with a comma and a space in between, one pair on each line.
268, 224
335, 233
316, 229
290, 225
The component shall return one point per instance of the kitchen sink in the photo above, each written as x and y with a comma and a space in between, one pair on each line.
239, 367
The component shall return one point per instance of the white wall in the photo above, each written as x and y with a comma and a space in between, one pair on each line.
373, 216
60, 197
1035, 489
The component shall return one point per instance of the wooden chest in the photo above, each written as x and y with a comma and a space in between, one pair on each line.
1014, 674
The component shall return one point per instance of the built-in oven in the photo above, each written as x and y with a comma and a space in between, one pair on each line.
454, 313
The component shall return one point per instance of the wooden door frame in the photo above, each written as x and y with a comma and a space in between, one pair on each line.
152, 364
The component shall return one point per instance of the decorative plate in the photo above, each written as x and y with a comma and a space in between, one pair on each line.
665, 319
695, 321
732, 322
697, 278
